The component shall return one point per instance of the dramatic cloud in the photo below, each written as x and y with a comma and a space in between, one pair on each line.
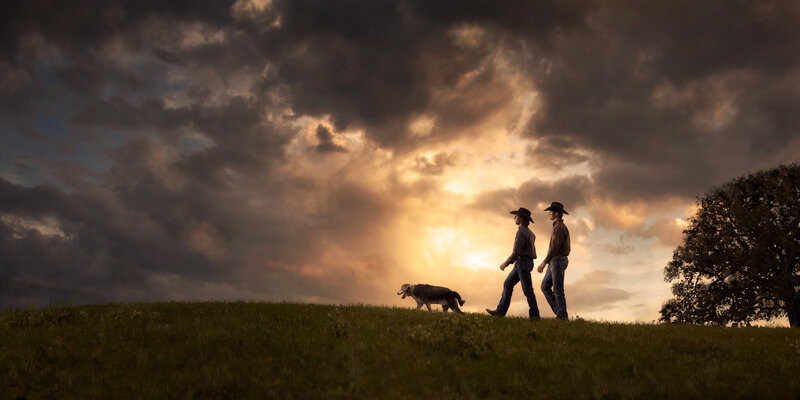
436, 164
671, 98
592, 292
330, 151
326, 142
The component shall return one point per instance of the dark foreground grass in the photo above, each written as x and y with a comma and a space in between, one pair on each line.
255, 350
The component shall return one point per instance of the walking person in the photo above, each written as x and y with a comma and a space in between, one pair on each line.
522, 256
556, 261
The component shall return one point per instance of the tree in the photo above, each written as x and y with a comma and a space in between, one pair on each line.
740, 260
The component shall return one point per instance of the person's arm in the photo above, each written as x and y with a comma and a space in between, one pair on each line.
559, 236
550, 253
519, 244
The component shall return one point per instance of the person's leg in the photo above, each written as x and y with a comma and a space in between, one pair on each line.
524, 269
508, 289
547, 288
558, 265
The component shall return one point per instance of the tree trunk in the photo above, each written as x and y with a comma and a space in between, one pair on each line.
793, 310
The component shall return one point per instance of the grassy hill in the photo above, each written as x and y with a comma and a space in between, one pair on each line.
257, 350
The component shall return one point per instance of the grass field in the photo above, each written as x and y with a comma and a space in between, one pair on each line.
293, 351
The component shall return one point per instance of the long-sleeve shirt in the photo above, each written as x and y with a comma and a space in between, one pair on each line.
523, 245
559, 241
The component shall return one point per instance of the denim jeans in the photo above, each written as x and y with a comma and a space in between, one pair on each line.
553, 286
520, 273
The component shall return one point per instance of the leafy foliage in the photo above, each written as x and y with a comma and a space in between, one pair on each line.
740, 260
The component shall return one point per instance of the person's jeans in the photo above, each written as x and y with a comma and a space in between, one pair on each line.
520, 273
553, 286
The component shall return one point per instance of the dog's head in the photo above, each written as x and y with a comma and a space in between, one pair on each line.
405, 290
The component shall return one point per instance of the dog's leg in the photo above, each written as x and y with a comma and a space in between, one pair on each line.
429, 306
444, 308
419, 305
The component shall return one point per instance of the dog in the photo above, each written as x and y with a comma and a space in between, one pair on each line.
427, 294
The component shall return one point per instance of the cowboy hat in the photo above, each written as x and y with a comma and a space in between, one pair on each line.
524, 213
557, 207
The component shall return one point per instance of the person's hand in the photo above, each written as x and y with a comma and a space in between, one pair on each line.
503, 266
540, 268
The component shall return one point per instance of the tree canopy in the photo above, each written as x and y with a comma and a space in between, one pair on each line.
740, 259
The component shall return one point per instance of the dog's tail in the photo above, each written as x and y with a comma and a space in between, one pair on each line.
460, 301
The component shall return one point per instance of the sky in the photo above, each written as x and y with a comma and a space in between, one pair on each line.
331, 151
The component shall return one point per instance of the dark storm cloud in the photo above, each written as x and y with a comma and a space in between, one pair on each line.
554, 152
672, 97
82, 28
87, 77
18, 90
326, 143
70, 173
62, 145
95, 255
154, 217
121, 115
80, 32
633, 85
571, 191
168, 57
157, 215
219, 215
436, 164
536, 194
378, 65
497, 201
352, 61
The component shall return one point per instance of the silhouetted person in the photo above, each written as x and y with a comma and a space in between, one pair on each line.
556, 260
522, 256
